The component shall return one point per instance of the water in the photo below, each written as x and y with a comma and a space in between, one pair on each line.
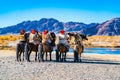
115, 51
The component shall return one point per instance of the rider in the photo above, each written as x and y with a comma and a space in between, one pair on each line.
31, 42
63, 39
46, 38
22, 37
31, 36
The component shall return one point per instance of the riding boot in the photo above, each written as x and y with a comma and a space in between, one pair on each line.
17, 52
40, 55
26, 52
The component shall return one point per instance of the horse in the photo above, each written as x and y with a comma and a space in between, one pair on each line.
77, 45
62, 50
29, 47
47, 48
20, 48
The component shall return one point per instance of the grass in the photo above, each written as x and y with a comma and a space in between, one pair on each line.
93, 41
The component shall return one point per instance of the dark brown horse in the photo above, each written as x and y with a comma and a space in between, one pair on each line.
77, 45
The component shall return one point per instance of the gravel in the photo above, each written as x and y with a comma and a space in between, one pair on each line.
88, 69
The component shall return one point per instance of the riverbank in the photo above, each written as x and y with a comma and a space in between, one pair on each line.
8, 53
92, 67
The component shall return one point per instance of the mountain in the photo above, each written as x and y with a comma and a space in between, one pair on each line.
110, 27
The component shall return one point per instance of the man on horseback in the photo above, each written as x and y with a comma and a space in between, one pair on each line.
47, 39
47, 42
21, 43
63, 40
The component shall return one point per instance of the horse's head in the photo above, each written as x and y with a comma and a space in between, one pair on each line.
84, 37
76, 38
52, 34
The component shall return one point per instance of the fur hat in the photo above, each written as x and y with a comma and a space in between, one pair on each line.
22, 31
62, 31
33, 31
45, 31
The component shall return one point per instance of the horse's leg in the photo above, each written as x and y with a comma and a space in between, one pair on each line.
29, 55
42, 56
50, 56
75, 56
80, 57
36, 56
57, 54
23, 56
46, 56
61, 56
65, 57
20, 56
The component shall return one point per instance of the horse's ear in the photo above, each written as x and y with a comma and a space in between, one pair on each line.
83, 36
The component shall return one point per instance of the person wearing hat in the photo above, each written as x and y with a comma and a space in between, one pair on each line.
22, 36
63, 38
31, 36
46, 37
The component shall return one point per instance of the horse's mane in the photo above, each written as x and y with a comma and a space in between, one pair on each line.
27, 36
77, 34
53, 35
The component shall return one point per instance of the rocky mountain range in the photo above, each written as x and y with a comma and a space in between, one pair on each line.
110, 27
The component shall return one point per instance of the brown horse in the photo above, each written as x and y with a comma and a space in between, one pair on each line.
62, 50
47, 48
77, 45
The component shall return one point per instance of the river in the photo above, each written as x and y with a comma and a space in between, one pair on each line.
115, 51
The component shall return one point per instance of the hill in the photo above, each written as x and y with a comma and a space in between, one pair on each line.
110, 27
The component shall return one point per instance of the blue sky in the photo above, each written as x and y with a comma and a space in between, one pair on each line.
87, 11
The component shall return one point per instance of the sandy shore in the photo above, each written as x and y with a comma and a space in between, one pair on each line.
92, 67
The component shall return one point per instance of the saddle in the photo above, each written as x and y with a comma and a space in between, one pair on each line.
48, 44
66, 46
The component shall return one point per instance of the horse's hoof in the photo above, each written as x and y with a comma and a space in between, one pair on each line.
28, 60
61, 60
